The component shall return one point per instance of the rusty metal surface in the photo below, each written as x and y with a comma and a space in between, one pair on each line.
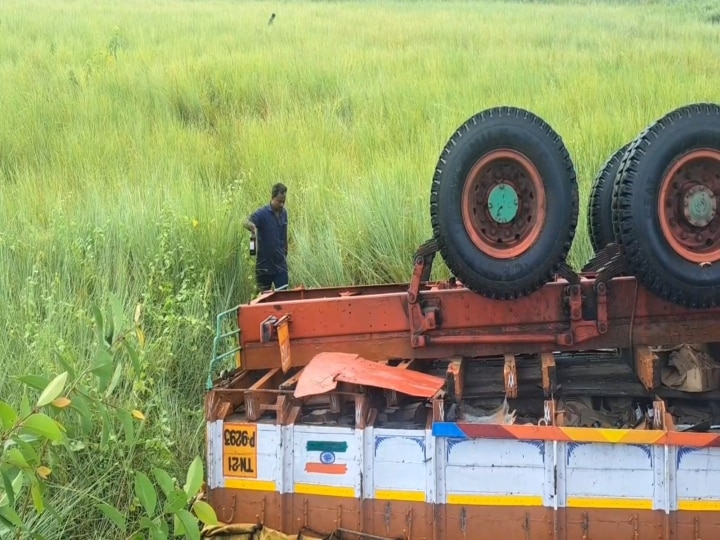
420, 521
377, 327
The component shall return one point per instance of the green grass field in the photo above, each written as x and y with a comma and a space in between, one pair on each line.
136, 136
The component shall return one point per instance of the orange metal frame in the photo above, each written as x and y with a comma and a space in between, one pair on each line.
595, 309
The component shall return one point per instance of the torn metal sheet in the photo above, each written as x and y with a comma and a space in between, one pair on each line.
326, 369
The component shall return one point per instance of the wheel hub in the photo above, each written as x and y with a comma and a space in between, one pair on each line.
699, 206
688, 206
503, 204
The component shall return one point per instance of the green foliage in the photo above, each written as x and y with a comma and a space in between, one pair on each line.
35, 443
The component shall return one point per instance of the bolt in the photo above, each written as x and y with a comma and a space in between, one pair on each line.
683, 236
698, 237
601, 288
507, 233
602, 327
673, 222
493, 231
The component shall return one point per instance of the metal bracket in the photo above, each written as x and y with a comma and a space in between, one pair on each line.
510, 376
549, 369
274, 328
422, 318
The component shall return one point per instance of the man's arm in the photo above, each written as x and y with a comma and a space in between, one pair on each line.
251, 223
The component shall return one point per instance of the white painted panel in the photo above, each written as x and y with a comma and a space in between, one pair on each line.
618, 484
399, 460
214, 454
268, 447
337, 461
496, 453
698, 473
617, 471
495, 480
609, 456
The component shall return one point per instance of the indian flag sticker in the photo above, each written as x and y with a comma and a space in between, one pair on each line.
326, 457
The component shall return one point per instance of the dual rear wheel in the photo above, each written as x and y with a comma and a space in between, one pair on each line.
504, 204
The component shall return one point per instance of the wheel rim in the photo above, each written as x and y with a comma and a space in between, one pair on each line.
503, 204
688, 206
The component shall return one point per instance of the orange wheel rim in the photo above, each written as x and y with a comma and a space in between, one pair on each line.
688, 209
503, 204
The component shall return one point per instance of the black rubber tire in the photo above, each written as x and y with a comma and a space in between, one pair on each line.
522, 131
635, 216
599, 216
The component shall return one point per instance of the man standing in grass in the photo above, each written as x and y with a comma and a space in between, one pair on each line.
269, 225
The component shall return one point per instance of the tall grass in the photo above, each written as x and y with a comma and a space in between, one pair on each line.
136, 136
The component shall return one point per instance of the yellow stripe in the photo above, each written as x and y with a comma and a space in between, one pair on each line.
699, 506
495, 500
255, 485
330, 491
601, 502
395, 495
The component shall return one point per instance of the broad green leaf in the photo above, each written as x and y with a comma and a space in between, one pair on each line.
14, 457
114, 380
178, 527
37, 497
27, 449
164, 481
8, 416
127, 423
114, 516
9, 497
43, 425
194, 478
67, 365
176, 500
205, 513
34, 381
145, 523
52, 390
163, 527
99, 326
145, 491
190, 524
25, 409
10, 515
102, 368
133, 356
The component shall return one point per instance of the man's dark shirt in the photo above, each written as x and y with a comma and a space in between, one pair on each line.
271, 240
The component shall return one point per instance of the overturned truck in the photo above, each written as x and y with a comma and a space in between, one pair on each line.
519, 399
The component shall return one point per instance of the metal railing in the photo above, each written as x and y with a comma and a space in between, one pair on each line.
220, 336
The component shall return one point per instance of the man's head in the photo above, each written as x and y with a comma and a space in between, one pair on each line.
277, 200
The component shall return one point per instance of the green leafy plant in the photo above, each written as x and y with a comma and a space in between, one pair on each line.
76, 410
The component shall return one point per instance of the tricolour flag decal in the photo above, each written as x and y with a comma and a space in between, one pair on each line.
323, 457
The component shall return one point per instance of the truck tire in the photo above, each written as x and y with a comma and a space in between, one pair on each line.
667, 216
599, 216
504, 203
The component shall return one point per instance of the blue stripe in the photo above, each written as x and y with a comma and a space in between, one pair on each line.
449, 430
